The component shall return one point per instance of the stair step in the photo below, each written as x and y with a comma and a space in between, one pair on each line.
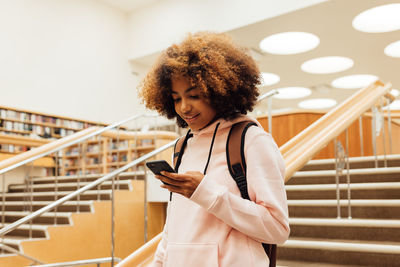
344, 202
387, 190
26, 230
69, 206
345, 222
360, 208
27, 226
50, 195
87, 177
346, 229
345, 245
342, 252
371, 238
12, 242
390, 174
287, 263
46, 218
351, 171
354, 162
353, 186
125, 184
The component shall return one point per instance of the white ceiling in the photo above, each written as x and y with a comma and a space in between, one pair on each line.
128, 5
331, 21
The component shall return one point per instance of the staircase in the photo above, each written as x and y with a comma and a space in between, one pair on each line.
89, 216
318, 238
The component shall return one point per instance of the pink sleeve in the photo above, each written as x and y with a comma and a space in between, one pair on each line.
265, 218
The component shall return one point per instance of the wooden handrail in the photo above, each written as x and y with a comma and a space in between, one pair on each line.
300, 149
22, 140
126, 135
43, 146
394, 113
142, 255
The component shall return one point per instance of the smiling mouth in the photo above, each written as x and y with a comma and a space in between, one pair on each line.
191, 118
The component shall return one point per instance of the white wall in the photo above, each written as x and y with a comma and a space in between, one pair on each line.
66, 57
17, 176
155, 27
70, 57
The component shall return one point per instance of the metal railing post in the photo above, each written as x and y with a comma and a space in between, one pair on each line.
360, 128
383, 135
374, 136
3, 206
103, 159
99, 155
56, 189
118, 154
268, 95
390, 130
112, 220
29, 181
337, 179
348, 175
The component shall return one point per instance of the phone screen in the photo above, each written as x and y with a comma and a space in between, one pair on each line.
157, 166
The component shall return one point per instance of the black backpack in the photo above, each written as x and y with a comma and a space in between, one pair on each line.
236, 165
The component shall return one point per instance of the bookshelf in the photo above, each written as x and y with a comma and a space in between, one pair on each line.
36, 125
21, 130
113, 150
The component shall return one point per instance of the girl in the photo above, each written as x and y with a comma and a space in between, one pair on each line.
208, 83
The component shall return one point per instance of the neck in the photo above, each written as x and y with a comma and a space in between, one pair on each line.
211, 122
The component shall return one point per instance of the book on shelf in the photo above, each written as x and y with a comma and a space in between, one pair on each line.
13, 148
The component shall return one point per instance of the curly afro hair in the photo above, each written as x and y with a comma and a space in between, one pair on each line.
225, 74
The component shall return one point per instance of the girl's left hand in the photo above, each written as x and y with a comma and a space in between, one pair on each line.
181, 183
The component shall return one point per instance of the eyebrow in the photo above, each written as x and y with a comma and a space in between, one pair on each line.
186, 91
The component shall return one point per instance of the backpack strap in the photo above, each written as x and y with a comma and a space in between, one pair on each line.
179, 148
235, 155
237, 168
270, 250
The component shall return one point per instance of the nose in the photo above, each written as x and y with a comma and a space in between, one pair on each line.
185, 106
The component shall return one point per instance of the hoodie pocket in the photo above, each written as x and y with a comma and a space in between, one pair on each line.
184, 255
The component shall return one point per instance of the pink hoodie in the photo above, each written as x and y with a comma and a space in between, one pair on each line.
216, 226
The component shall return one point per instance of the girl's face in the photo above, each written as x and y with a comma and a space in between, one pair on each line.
190, 105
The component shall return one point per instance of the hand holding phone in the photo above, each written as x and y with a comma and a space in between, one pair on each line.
180, 184
157, 166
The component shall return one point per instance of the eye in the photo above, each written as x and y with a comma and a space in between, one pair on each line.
194, 96
176, 100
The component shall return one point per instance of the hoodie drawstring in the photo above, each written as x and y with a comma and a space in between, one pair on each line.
211, 147
209, 153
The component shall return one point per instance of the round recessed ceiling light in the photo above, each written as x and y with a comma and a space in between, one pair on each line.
354, 81
395, 105
395, 92
269, 79
292, 92
323, 65
317, 103
393, 49
383, 18
288, 43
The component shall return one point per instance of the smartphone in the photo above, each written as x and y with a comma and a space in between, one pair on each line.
158, 166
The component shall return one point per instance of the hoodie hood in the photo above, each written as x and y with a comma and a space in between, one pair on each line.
223, 124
